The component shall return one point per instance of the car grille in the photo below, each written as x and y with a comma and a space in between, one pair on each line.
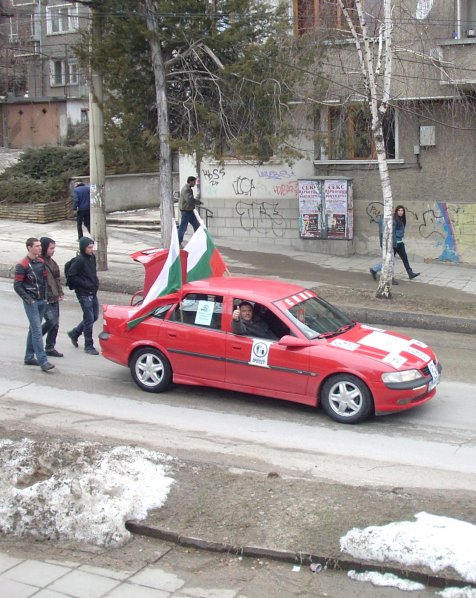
426, 369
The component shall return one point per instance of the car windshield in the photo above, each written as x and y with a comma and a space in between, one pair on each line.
318, 319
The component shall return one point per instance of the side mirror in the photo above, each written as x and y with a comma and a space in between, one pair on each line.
292, 342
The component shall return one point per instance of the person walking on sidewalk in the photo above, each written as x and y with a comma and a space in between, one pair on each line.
31, 284
82, 277
186, 207
399, 223
82, 206
55, 295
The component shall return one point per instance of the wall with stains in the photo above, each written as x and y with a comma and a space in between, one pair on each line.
437, 230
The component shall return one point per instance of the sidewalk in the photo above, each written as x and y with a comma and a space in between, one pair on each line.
441, 298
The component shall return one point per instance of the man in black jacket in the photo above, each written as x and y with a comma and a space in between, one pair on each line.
31, 284
82, 274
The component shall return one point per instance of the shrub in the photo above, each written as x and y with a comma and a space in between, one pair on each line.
42, 175
24, 189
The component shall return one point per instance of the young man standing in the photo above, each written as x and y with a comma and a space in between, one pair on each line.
186, 207
31, 284
55, 295
83, 278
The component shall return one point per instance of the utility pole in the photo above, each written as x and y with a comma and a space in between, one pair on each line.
96, 153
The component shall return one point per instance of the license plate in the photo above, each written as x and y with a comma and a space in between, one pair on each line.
435, 375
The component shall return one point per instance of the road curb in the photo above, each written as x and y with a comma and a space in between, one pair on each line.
410, 319
298, 557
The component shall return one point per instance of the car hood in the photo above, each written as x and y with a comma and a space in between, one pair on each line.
391, 348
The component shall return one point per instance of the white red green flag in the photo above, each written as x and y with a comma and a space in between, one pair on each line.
204, 259
168, 281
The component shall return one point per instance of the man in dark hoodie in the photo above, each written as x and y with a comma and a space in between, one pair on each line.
55, 295
82, 274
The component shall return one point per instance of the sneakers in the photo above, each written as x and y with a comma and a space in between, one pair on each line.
46, 367
413, 275
373, 273
91, 351
73, 338
54, 353
31, 362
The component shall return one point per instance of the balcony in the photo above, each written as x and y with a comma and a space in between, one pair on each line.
457, 60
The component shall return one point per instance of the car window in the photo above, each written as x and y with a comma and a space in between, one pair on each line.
161, 311
199, 309
270, 321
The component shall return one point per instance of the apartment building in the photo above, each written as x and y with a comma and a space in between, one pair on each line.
429, 130
44, 88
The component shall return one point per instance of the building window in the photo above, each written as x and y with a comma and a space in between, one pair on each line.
64, 72
61, 19
349, 134
322, 14
84, 116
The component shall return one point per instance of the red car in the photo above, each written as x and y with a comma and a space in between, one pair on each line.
307, 352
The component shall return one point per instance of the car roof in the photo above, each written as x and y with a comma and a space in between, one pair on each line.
255, 289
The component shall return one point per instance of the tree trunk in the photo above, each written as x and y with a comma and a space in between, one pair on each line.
163, 128
96, 156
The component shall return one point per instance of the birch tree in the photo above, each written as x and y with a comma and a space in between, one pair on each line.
375, 60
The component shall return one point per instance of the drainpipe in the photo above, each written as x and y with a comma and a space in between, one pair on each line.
458, 19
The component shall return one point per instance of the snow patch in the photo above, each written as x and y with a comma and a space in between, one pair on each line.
432, 541
78, 491
386, 579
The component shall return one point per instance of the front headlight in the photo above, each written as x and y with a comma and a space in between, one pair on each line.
405, 376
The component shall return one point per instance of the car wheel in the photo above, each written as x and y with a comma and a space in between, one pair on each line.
151, 370
346, 399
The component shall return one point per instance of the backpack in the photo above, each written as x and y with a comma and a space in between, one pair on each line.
67, 268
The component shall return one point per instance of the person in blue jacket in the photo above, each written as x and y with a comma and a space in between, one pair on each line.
82, 207
399, 223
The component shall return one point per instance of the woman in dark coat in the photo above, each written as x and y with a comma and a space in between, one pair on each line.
399, 223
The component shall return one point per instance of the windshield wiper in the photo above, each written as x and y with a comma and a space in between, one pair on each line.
338, 331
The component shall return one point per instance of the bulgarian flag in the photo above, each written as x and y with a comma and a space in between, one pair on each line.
168, 281
204, 259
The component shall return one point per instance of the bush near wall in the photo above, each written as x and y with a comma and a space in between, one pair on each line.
36, 188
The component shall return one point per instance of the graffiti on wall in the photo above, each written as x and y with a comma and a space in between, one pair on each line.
242, 185
450, 227
261, 216
213, 176
275, 175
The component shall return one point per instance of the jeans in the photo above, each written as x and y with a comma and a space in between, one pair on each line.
90, 306
34, 341
83, 217
402, 252
51, 325
187, 218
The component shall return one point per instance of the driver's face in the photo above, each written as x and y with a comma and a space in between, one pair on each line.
246, 312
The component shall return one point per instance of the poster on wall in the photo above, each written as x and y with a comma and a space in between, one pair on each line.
310, 208
336, 208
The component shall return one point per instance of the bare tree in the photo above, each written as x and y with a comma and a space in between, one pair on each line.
375, 60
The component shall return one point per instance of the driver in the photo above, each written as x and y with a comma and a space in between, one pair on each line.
245, 322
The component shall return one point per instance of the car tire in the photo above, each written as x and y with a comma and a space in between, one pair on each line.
151, 370
346, 399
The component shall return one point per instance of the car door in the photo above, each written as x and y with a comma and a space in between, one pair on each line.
259, 363
193, 337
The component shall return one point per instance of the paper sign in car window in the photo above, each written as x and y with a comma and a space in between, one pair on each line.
204, 313
385, 342
260, 353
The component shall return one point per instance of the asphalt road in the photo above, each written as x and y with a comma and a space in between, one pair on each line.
86, 396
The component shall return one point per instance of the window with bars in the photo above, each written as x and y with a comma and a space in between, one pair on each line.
349, 135
321, 14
